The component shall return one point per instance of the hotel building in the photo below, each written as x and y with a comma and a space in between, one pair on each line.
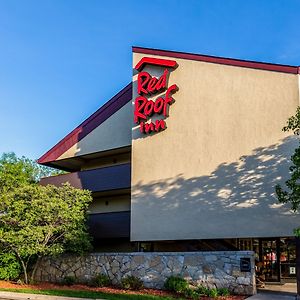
186, 158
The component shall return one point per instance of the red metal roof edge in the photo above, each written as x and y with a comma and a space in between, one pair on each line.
221, 60
155, 61
97, 118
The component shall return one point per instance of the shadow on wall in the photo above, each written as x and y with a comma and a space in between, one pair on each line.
236, 200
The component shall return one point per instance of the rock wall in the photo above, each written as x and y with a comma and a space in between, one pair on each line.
211, 269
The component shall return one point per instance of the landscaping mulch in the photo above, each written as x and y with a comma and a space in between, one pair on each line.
109, 290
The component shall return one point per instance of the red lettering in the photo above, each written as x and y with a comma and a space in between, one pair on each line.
142, 81
142, 127
146, 84
144, 108
152, 84
168, 99
139, 105
162, 81
160, 125
149, 127
158, 105
148, 111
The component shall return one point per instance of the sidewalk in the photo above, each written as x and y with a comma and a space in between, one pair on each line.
22, 296
276, 291
272, 296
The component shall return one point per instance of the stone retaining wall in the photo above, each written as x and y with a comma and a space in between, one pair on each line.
211, 269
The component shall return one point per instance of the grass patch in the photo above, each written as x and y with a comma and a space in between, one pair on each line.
87, 294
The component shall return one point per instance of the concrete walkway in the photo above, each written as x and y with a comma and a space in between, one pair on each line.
22, 296
285, 291
272, 296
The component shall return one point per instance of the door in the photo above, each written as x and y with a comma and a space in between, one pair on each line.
269, 256
288, 259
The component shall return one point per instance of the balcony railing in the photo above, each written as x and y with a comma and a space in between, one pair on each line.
96, 180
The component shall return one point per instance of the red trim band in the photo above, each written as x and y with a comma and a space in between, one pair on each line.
155, 61
92, 122
221, 60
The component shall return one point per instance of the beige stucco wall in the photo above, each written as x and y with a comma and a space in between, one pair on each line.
110, 204
212, 172
115, 132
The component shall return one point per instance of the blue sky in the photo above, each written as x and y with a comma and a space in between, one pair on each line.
60, 60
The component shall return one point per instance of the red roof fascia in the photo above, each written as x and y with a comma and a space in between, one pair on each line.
155, 61
92, 122
221, 60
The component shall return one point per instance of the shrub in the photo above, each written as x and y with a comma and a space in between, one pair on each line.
213, 293
10, 268
176, 284
223, 292
132, 283
68, 280
201, 290
191, 293
100, 280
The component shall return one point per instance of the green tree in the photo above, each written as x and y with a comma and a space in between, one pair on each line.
37, 221
15, 171
10, 267
292, 193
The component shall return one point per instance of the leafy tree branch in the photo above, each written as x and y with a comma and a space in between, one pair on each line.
292, 193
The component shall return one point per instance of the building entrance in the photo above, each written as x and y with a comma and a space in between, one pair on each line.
269, 260
275, 258
288, 259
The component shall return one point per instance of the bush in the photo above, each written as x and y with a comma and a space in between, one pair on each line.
68, 280
100, 280
10, 268
132, 283
213, 293
223, 292
202, 291
176, 284
191, 293
180, 285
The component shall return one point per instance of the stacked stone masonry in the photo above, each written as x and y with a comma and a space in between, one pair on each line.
210, 269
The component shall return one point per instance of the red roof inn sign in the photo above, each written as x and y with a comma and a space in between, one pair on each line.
147, 86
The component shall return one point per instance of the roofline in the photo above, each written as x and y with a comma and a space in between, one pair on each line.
221, 60
92, 122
